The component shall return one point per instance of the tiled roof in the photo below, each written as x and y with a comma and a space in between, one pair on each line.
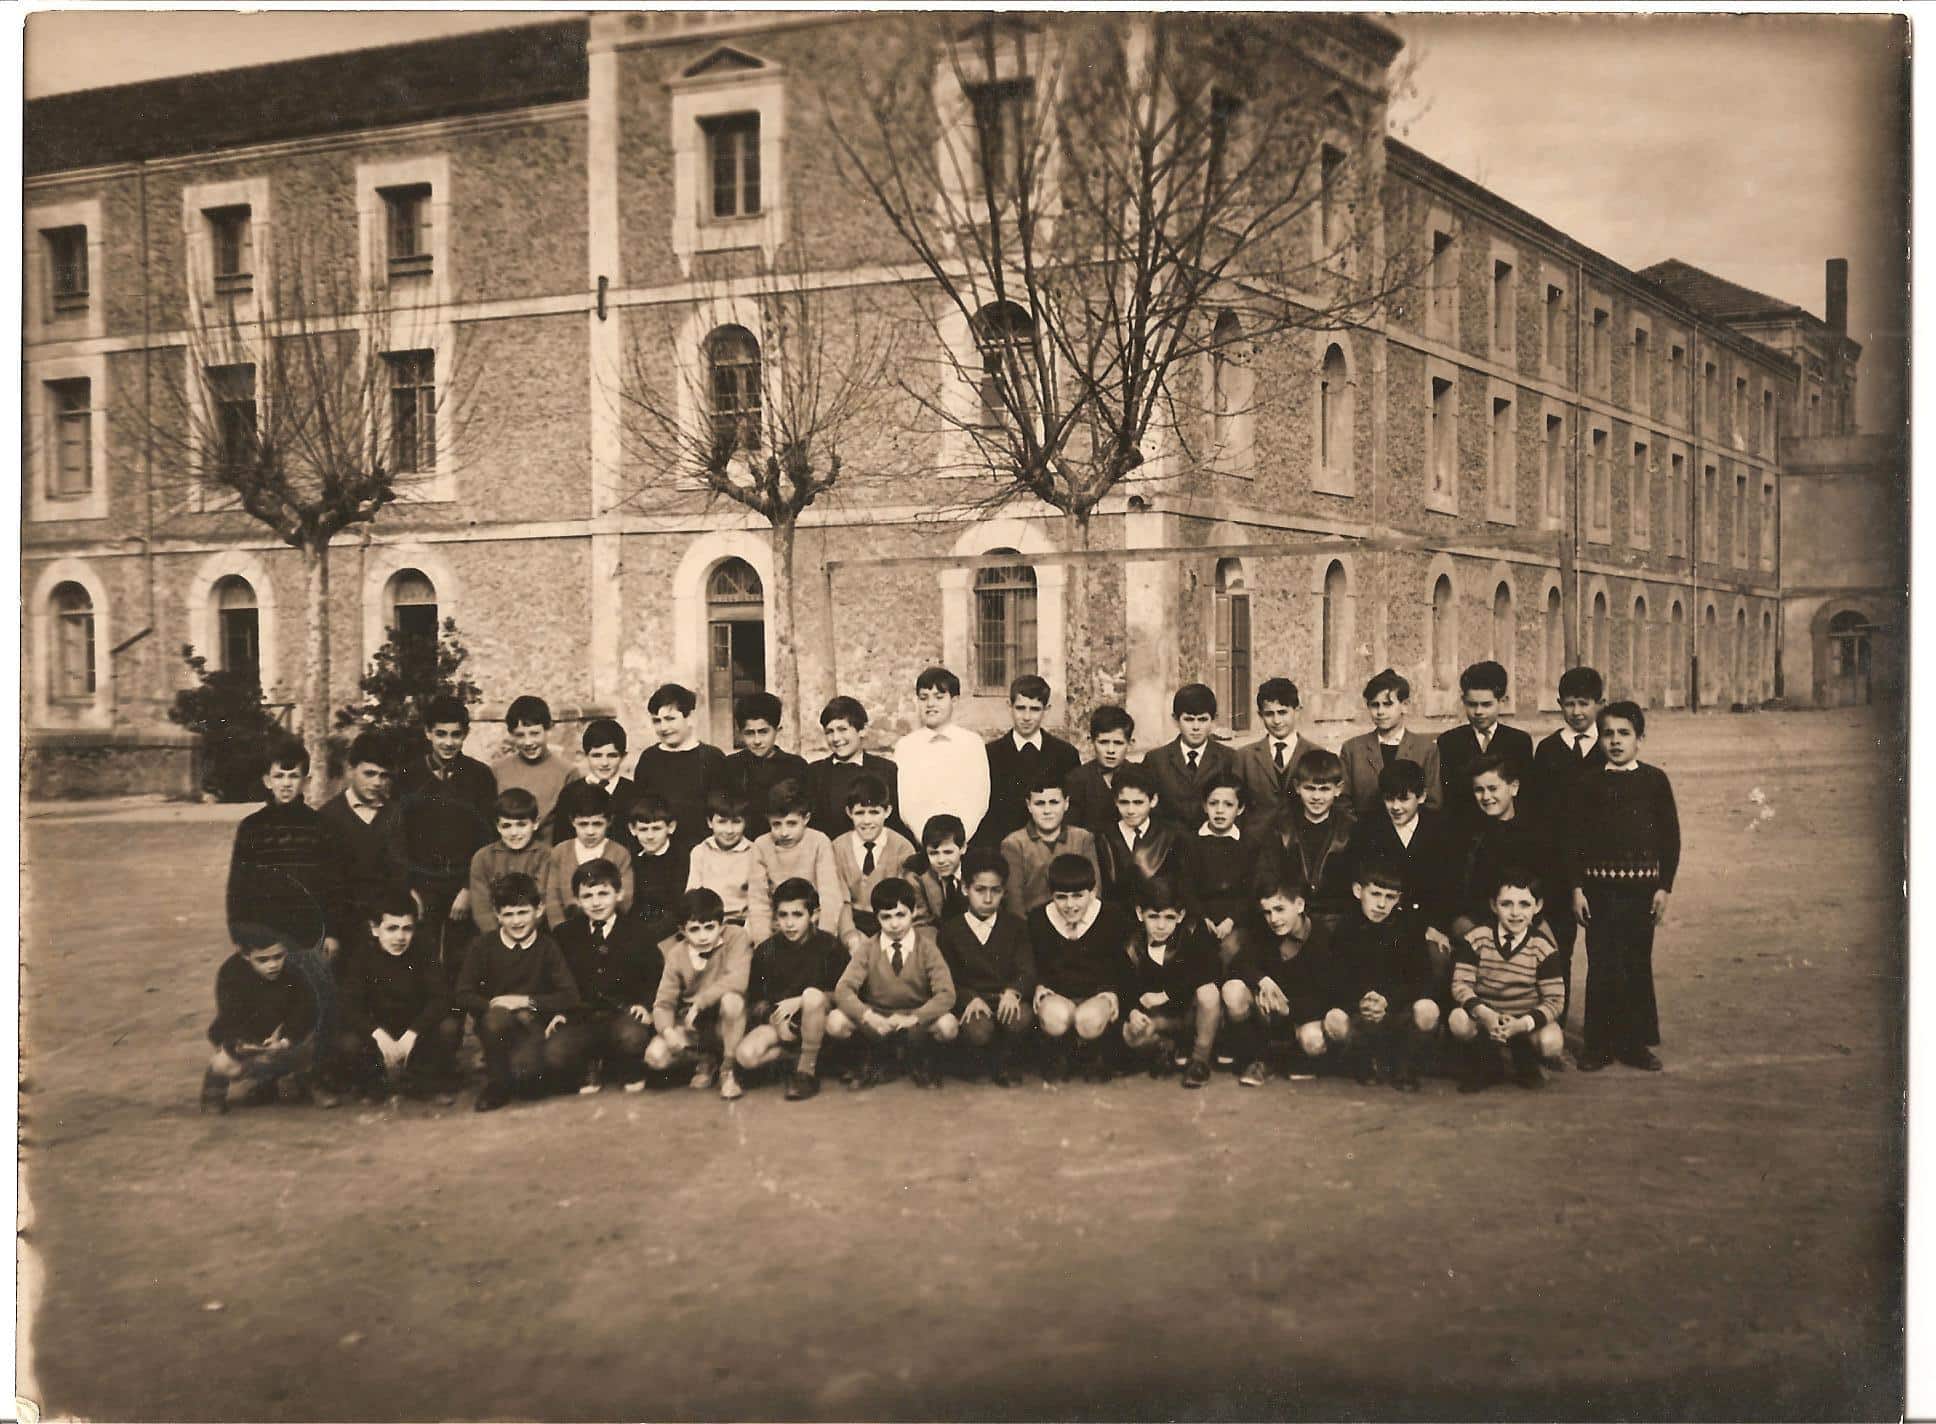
1715, 295
396, 84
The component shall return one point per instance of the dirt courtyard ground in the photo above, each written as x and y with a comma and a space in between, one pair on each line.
1721, 1240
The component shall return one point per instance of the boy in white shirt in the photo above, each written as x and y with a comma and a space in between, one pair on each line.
942, 767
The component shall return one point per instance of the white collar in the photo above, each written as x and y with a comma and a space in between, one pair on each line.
1131, 834
1406, 831
855, 760
1022, 741
358, 805
1484, 739
712, 843
504, 938
1574, 739
691, 746
1391, 738
978, 927
1233, 834
1087, 922
1158, 953
1633, 765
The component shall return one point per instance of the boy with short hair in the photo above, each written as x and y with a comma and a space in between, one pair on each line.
1142, 844
1291, 972
791, 849
1623, 851
680, 768
1082, 972
1173, 987
519, 992
723, 862
603, 742
1388, 697
759, 765
660, 868
1385, 1008
1482, 692
1092, 786
1312, 837
532, 765
395, 1023
516, 851
1506, 987
1184, 764
1265, 764
1424, 847
1571, 752
940, 891
265, 1018
1226, 865
791, 987
617, 967
993, 964
1030, 850
363, 817
943, 766
445, 803
1021, 756
897, 988
699, 1012
587, 809
843, 720
867, 855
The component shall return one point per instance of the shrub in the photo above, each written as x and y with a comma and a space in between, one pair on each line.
225, 709
401, 679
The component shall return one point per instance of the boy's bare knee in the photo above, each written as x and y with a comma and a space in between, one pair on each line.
658, 1054
838, 1024
945, 1028
1139, 1035
813, 1000
1425, 1016
1236, 1000
1550, 1040
757, 1048
1337, 1025
1461, 1025
732, 1006
1092, 1018
1056, 1015
225, 1065
1209, 1001
1310, 1038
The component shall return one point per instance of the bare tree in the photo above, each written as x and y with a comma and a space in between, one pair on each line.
311, 403
1087, 196
786, 383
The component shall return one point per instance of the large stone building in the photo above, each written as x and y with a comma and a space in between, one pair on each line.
1562, 441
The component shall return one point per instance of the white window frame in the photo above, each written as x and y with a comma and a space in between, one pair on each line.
1340, 477
696, 97
1597, 478
1640, 490
1552, 363
694, 379
204, 625
46, 711
42, 322
1502, 478
430, 170
45, 442
1598, 376
1441, 321
1552, 509
1499, 252
197, 200
1020, 52
1445, 501
1640, 383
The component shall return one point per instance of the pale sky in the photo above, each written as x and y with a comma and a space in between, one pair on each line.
1753, 147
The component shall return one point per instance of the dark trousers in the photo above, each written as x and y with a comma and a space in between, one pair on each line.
614, 1041
354, 1059
518, 1056
314, 966
436, 935
1566, 934
1621, 1014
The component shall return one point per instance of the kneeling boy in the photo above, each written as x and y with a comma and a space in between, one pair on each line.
700, 1009
1290, 973
396, 1026
993, 964
1384, 1010
517, 989
790, 989
617, 968
897, 988
1081, 971
1173, 988
1508, 988
265, 1015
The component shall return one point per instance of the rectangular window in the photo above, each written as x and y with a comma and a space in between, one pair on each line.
231, 239
1710, 398
733, 159
1642, 394
1677, 382
1331, 197
66, 268
70, 471
413, 410
74, 640
1555, 468
1738, 415
1741, 520
1602, 487
1503, 465
1503, 314
1709, 512
1641, 517
1005, 626
232, 393
1602, 350
1222, 163
1767, 422
1004, 133
1444, 279
407, 229
1814, 412
1555, 327
1677, 493
1442, 454
1768, 525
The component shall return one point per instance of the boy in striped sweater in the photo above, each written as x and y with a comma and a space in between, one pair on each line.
1507, 990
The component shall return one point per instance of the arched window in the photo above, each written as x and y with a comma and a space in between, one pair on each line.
1640, 674
412, 601
1445, 634
1505, 630
1738, 658
1336, 416
1336, 591
1600, 645
735, 582
1707, 651
1676, 648
1230, 645
733, 381
1230, 385
735, 643
1555, 640
238, 628
1767, 652
73, 669
1004, 624
1005, 337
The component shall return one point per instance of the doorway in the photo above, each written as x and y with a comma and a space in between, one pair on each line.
735, 644
1849, 636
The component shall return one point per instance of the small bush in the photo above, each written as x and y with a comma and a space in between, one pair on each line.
399, 681
225, 709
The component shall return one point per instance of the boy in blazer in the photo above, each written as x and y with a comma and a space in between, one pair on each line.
1019, 756
1311, 842
1571, 752
1184, 765
1092, 786
1482, 690
364, 820
1388, 697
1141, 846
1265, 764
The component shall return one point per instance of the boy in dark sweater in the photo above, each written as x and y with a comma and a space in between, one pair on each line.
660, 868
265, 1018
844, 722
444, 817
759, 765
603, 742
1290, 972
1311, 841
1022, 757
363, 817
1506, 987
993, 965
1092, 786
396, 1026
1226, 866
1172, 985
518, 990
680, 769
790, 989
1423, 845
1622, 853
1082, 972
1385, 1007
617, 968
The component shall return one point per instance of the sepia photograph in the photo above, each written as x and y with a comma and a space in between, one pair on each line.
859, 714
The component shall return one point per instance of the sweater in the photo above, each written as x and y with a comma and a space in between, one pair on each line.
1430, 864
784, 970
1388, 958
615, 971
561, 902
442, 821
727, 873
983, 971
658, 881
367, 868
892, 852
753, 777
286, 876
544, 779
249, 1008
1091, 963
1226, 874
924, 986
688, 983
1189, 962
392, 992
498, 859
1525, 843
684, 779
1028, 854
1525, 979
1626, 832
811, 858
492, 968
1092, 800
1300, 965
1010, 769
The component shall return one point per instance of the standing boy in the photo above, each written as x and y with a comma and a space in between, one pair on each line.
516, 851
790, 989
588, 811
700, 1010
617, 968
1482, 692
1142, 844
1030, 850
1020, 756
993, 965
532, 765
603, 743
843, 720
1388, 698
363, 817
660, 868
723, 862
759, 765
943, 767
1183, 765
1265, 764
1092, 786
1623, 851
444, 817
898, 990
1422, 844
681, 769
1082, 973
1572, 752
518, 990
1312, 838
791, 849
865, 856
265, 1018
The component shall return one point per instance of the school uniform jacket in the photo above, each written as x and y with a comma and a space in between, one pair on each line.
1092, 963
613, 970
1189, 962
622, 791
827, 783
935, 903
1557, 769
1363, 760
1163, 849
983, 971
1010, 769
924, 986
1459, 749
392, 992
752, 777
1092, 800
1431, 863
1267, 790
658, 881
442, 821
1179, 790
1327, 870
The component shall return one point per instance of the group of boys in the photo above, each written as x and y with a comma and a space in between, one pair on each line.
965, 906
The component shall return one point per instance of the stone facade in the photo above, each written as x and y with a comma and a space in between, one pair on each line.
1520, 416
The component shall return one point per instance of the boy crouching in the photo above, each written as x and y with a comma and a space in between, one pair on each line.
700, 1009
1508, 988
898, 990
265, 1018
518, 990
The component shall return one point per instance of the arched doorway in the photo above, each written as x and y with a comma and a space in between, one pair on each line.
1847, 683
735, 643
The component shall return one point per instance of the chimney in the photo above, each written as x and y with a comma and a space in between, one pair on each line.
1837, 313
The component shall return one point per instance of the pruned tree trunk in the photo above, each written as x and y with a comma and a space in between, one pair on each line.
1082, 664
787, 674
315, 679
